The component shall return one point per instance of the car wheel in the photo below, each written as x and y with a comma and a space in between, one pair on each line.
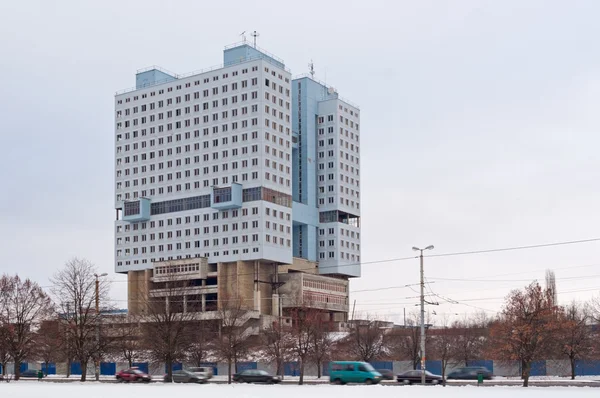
368, 382
338, 382
435, 381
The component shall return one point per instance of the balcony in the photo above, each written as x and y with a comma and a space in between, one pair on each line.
137, 210
226, 198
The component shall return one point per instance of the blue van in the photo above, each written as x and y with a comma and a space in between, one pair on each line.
342, 372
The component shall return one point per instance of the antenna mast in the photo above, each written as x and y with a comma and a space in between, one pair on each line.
312, 69
243, 34
255, 34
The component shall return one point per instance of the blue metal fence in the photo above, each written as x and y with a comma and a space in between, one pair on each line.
587, 368
51, 368
75, 368
241, 366
108, 368
291, 369
143, 366
434, 367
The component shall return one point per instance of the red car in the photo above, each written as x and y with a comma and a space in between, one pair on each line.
133, 375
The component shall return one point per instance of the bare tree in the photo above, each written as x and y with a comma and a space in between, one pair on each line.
442, 345
4, 348
526, 328
574, 335
202, 342
322, 345
24, 305
404, 343
276, 340
469, 339
234, 332
127, 337
304, 321
366, 340
167, 321
74, 288
49, 343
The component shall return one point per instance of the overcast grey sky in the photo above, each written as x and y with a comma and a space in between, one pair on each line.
479, 118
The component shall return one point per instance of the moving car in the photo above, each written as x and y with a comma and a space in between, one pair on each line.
255, 376
386, 374
342, 372
205, 371
30, 373
470, 373
185, 376
133, 375
414, 377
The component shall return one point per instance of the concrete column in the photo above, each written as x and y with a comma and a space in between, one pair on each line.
275, 304
184, 303
203, 296
256, 287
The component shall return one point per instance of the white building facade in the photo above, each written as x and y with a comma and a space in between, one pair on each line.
203, 164
248, 170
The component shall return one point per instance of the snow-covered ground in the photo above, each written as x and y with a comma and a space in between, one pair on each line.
33, 389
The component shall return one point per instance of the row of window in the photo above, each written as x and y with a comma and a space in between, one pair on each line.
344, 232
248, 196
187, 148
188, 135
197, 83
343, 256
206, 243
314, 297
176, 269
180, 257
330, 130
206, 170
215, 90
126, 240
351, 123
335, 287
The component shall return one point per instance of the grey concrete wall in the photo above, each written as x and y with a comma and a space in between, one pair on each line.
558, 367
506, 368
401, 366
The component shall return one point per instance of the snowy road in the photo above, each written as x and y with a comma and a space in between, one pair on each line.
92, 390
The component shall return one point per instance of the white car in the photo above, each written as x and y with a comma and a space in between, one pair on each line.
205, 371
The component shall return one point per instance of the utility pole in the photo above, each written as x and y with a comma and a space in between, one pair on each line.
423, 378
97, 357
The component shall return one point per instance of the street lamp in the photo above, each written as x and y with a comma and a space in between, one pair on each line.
430, 247
97, 362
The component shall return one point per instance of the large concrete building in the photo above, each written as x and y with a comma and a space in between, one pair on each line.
240, 181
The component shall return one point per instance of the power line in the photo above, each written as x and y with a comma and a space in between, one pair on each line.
572, 242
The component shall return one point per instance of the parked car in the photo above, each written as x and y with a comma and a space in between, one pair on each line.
255, 376
470, 373
342, 372
30, 373
205, 371
185, 376
386, 374
133, 375
414, 377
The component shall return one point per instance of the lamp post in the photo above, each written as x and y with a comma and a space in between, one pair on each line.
430, 247
97, 359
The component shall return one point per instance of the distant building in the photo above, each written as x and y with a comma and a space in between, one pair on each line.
242, 182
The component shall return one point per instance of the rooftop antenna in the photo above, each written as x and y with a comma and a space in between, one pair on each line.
243, 34
312, 69
255, 34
